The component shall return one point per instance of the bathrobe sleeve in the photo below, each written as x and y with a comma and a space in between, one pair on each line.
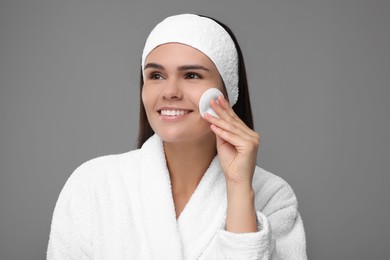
70, 235
280, 229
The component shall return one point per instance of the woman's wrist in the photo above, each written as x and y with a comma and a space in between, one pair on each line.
239, 189
241, 212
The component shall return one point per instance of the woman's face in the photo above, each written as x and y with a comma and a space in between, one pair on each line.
175, 76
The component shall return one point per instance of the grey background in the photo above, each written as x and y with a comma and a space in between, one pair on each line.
319, 73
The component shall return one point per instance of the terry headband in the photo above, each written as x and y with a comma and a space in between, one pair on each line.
205, 35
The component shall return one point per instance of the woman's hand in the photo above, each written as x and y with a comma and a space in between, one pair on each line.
237, 144
237, 147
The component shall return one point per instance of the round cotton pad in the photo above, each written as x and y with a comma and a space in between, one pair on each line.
204, 102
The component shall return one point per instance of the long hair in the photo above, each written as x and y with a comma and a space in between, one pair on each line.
242, 108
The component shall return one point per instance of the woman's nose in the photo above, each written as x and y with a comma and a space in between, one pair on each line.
172, 90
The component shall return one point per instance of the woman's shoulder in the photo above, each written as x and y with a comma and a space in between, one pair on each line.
101, 167
272, 192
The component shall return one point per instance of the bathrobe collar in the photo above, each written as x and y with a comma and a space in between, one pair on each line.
204, 214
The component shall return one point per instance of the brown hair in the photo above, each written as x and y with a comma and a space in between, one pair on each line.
242, 108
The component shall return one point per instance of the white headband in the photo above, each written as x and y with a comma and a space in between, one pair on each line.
203, 34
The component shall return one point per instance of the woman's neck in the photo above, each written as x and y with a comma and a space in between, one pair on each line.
188, 161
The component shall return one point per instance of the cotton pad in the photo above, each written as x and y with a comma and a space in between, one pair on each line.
204, 102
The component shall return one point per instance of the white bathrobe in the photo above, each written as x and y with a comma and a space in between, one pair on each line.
121, 207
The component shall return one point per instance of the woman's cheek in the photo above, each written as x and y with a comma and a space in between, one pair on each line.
146, 99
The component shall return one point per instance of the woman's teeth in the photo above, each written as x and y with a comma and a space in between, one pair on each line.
173, 112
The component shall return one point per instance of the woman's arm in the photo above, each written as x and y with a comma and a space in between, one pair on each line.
277, 232
241, 213
237, 147
70, 234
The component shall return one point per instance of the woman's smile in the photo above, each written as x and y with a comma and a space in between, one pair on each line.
173, 114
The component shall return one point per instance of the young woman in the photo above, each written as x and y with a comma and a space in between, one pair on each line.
192, 190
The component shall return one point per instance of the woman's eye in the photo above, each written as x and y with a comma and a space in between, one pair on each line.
191, 75
156, 76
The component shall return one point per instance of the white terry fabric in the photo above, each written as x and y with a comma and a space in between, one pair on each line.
207, 36
121, 207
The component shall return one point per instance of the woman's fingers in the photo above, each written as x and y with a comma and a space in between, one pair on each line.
224, 104
239, 141
230, 127
227, 126
228, 120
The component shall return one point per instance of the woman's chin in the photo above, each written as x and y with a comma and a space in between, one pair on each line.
180, 137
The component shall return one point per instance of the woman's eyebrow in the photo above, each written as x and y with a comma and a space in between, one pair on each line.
192, 67
153, 66
181, 68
